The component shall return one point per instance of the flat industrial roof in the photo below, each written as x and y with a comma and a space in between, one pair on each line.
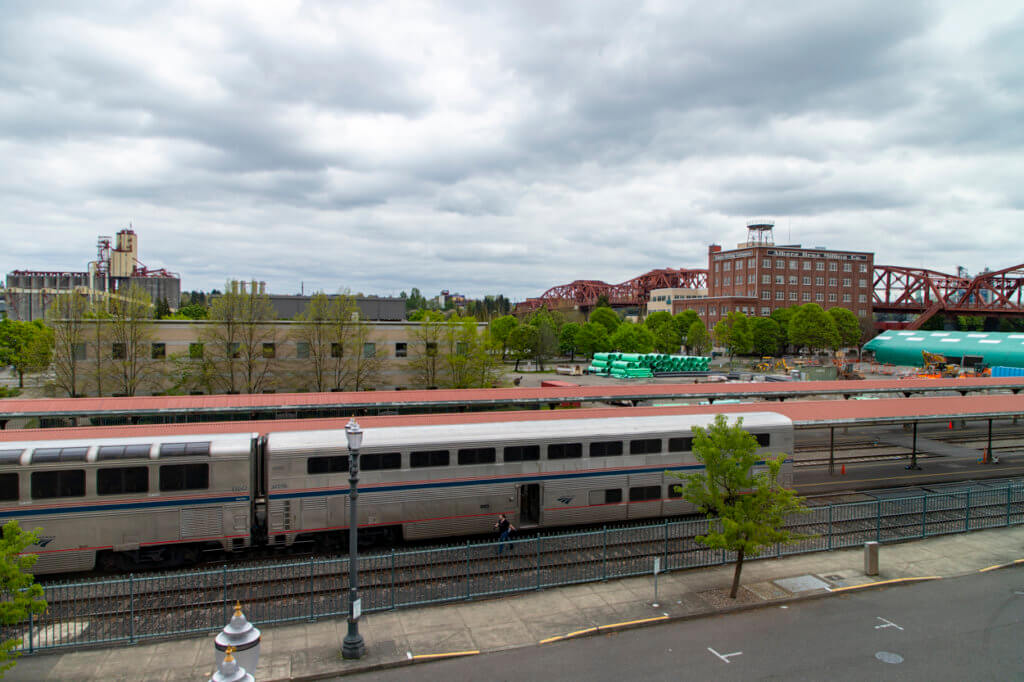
284, 402
804, 414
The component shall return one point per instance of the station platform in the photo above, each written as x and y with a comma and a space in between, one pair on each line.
312, 650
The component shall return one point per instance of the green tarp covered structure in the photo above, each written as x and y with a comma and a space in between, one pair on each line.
900, 347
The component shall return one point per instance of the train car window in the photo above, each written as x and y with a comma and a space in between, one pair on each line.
58, 484
675, 490
565, 450
8, 487
608, 448
184, 477
428, 458
613, 496
185, 449
10, 456
46, 455
763, 439
646, 446
381, 460
680, 444
120, 480
123, 452
522, 453
477, 456
644, 493
327, 465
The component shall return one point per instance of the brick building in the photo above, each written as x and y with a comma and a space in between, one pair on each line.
759, 276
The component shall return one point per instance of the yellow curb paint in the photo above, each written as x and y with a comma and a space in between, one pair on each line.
601, 627
887, 582
631, 622
992, 568
567, 636
422, 657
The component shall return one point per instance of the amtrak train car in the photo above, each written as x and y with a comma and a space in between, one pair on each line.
129, 501
453, 479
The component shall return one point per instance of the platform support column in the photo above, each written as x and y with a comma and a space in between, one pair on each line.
913, 451
831, 451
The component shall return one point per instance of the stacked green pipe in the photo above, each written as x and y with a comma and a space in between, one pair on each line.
634, 365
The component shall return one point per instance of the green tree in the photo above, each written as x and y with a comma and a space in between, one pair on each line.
811, 327
698, 340
764, 335
602, 301
162, 310
782, 317
22, 595
322, 336
605, 317
847, 327
130, 332
733, 334
567, 340
548, 325
746, 499
500, 329
632, 338
66, 317
194, 311
592, 338
240, 342
26, 346
684, 319
424, 360
662, 325
523, 342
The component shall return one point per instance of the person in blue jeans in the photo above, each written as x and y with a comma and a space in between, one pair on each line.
504, 528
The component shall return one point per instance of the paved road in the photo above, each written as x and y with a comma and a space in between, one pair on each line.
955, 629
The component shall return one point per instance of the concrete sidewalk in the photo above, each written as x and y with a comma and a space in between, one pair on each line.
312, 650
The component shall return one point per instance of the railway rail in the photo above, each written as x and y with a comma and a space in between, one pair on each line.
127, 610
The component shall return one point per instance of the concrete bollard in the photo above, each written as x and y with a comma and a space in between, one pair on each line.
871, 558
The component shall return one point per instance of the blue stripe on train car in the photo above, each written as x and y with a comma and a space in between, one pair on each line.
126, 505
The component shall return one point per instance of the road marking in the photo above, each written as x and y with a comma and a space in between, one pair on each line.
886, 624
894, 581
424, 657
725, 657
888, 657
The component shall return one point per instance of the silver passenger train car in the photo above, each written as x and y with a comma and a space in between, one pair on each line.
129, 501
447, 480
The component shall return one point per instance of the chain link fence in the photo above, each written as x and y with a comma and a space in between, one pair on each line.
136, 608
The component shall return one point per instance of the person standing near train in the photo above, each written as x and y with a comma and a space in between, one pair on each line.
504, 527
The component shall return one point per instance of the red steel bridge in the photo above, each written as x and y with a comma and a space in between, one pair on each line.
897, 290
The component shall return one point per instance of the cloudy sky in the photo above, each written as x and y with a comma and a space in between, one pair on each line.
509, 146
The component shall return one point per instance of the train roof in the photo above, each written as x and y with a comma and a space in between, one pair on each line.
609, 426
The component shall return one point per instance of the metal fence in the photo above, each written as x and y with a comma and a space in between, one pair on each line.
136, 608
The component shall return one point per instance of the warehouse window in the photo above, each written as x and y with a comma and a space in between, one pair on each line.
807, 265
792, 295
806, 296
792, 279
780, 279
235, 350
477, 456
794, 265
819, 281
117, 351
158, 351
833, 282
862, 298
832, 267
46, 484
831, 298
431, 348
369, 350
335, 350
819, 297
8, 487
680, 444
645, 493
270, 350
122, 480
565, 450
401, 350
847, 281
807, 281
862, 283
428, 458
381, 460
327, 465
195, 351
522, 453
646, 446
766, 295
847, 298
78, 349
302, 350
780, 295
819, 265
847, 267
766, 262
184, 477
608, 448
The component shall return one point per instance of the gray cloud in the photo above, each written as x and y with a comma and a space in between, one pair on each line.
504, 148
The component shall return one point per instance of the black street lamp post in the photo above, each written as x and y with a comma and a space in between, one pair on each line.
352, 646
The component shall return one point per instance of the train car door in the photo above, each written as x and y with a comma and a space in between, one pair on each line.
529, 504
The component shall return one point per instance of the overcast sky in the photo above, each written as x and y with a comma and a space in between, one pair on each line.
506, 147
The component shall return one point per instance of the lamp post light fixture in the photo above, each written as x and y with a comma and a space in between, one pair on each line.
352, 646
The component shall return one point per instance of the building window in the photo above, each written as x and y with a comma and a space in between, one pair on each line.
780, 295
728, 281
335, 350
807, 265
766, 295
235, 349
765, 312
369, 350
716, 266
863, 267
117, 351
751, 263
158, 351
792, 295
807, 281
766, 263
780, 279
847, 267
806, 296
862, 313
820, 298
401, 350
195, 351
751, 278
726, 266
792, 279
739, 265
78, 350
846, 281
862, 283
794, 265
431, 348
302, 350
780, 264
269, 350
847, 298
766, 279
832, 282
862, 298
832, 267
820, 265
831, 298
